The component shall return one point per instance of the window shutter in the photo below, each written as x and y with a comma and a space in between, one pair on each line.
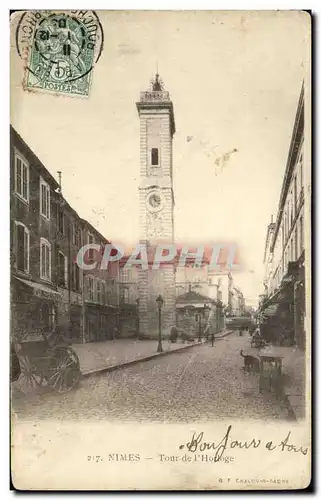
25, 182
18, 176
20, 248
66, 271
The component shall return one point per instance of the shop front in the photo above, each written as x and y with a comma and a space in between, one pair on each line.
101, 322
282, 315
33, 309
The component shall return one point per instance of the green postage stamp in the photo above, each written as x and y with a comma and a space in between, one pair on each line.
61, 49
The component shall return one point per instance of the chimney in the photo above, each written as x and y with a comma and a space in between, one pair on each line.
59, 180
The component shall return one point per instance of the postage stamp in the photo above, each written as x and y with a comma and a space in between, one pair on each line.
60, 49
160, 251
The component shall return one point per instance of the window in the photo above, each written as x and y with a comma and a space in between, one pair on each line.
103, 293
124, 295
124, 275
301, 169
98, 291
154, 156
91, 251
75, 277
90, 288
295, 255
301, 229
45, 259
61, 221
62, 270
76, 235
73, 233
295, 192
291, 208
21, 177
107, 296
21, 245
44, 199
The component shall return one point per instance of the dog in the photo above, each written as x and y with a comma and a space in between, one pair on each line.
251, 364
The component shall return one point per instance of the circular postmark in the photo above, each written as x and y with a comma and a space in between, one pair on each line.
60, 49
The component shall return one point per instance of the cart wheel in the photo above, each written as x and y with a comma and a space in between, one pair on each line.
65, 369
29, 380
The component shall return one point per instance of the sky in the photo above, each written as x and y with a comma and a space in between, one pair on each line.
234, 79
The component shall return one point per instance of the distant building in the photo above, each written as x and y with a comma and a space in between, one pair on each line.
193, 278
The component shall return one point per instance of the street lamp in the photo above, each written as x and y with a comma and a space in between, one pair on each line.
200, 327
137, 317
160, 302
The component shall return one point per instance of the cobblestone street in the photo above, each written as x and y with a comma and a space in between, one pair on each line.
202, 383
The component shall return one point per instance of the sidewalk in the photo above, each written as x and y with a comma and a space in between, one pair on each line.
99, 357
293, 370
295, 376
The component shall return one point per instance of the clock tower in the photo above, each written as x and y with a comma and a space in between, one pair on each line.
156, 205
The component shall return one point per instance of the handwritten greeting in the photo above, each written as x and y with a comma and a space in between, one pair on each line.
198, 443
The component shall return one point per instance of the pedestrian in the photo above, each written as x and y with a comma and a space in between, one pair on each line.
212, 338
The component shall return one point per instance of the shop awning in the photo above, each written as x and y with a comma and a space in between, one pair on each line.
270, 310
40, 290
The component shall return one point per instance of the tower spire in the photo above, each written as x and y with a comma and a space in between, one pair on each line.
157, 83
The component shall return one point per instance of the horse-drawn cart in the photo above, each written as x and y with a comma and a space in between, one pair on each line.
48, 362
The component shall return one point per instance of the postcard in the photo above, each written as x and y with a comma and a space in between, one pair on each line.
160, 250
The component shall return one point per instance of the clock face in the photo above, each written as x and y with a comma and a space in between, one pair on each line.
154, 201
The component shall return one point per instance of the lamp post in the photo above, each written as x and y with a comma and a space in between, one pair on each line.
200, 327
160, 302
137, 317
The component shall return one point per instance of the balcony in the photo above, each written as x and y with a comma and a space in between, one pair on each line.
152, 96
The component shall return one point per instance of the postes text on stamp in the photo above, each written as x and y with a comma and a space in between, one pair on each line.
60, 49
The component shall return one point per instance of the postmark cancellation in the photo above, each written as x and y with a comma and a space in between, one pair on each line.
60, 50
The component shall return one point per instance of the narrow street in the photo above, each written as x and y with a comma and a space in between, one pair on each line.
202, 383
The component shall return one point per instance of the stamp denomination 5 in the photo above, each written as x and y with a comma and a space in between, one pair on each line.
60, 49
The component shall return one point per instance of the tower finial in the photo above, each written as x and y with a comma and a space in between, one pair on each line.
157, 83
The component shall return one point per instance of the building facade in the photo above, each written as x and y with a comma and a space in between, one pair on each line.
49, 291
101, 290
283, 306
33, 209
129, 299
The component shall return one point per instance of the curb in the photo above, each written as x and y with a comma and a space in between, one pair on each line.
145, 358
137, 360
228, 332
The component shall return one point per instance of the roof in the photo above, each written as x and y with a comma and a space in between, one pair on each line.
92, 229
192, 297
297, 137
